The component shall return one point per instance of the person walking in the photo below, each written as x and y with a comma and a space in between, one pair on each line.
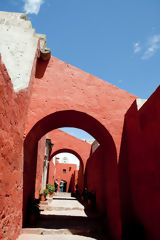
61, 186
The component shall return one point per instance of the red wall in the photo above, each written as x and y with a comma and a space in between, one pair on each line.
101, 180
61, 141
64, 96
59, 86
40, 164
77, 99
71, 174
95, 179
12, 118
139, 168
64, 142
79, 174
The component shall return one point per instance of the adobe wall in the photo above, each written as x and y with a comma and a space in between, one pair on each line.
59, 86
79, 174
101, 180
18, 44
40, 164
139, 168
95, 179
65, 142
12, 118
70, 175
62, 140
98, 108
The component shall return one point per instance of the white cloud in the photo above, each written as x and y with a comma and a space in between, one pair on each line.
137, 47
153, 47
32, 6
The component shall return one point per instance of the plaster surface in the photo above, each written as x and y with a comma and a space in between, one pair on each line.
65, 96
12, 119
139, 169
18, 46
59, 86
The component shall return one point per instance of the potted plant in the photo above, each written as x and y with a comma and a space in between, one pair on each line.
44, 194
51, 189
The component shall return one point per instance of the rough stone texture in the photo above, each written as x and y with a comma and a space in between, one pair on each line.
12, 111
13, 107
139, 169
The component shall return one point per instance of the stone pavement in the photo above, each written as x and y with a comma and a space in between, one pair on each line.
64, 217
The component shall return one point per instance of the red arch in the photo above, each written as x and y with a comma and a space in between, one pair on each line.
59, 86
81, 170
109, 194
70, 118
62, 139
68, 151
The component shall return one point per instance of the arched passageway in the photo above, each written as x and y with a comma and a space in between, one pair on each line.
108, 194
63, 140
80, 172
60, 140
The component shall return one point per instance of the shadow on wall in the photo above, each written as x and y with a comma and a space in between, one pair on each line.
41, 68
71, 118
72, 183
131, 228
139, 171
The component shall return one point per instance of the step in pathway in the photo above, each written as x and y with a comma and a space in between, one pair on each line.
64, 218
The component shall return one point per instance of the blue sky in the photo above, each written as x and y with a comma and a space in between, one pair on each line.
118, 41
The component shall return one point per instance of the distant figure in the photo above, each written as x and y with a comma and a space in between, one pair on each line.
85, 194
56, 185
61, 186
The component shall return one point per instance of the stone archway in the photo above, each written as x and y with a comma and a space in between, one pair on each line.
80, 172
109, 195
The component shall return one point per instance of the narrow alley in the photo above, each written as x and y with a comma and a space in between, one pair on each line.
64, 217
64, 130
